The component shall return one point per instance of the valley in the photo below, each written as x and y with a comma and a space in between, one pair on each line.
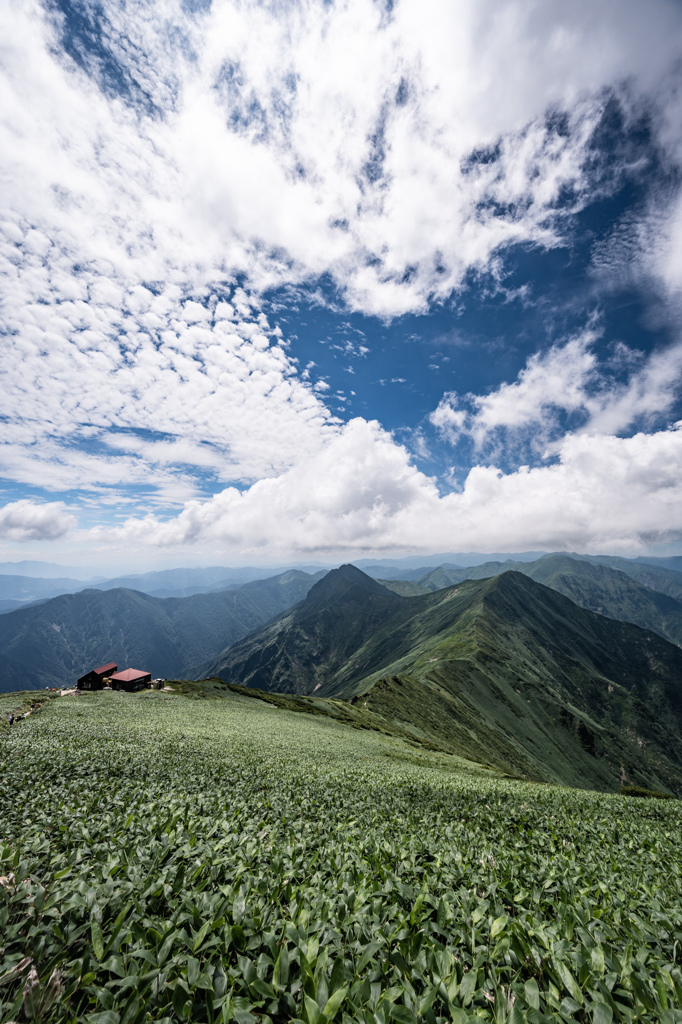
55, 642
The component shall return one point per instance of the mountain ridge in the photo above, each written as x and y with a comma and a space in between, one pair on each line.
593, 585
363, 599
605, 696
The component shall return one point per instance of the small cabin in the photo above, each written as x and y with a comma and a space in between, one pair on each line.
94, 680
131, 679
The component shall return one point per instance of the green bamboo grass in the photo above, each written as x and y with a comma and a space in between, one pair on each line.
165, 858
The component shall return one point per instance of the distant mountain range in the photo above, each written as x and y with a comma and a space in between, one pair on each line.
503, 669
20, 590
25, 583
52, 643
671, 562
666, 580
45, 570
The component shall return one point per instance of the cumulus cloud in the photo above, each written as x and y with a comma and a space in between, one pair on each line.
353, 486
361, 493
565, 379
30, 520
552, 380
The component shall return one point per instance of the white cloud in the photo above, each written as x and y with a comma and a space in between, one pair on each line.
395, 152
357, 481
317, 138
30, 520
646, 397
666, 256
156, 377
646, 244
361, 493
447, 418
554, 379
565, 379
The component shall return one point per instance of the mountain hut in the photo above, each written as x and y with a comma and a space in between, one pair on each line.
131, 679
94, 680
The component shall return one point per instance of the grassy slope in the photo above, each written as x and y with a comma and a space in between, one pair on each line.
545, 692
165, 853
350, 713
533, 683
54, 643
405, 588
27, 702
448, 576
504, 670
665, 580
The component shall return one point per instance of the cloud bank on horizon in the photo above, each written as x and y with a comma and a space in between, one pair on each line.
340, 277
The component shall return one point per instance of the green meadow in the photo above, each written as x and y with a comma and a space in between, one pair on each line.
171, 858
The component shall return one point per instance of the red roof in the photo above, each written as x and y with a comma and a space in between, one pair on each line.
105, 670
129, 675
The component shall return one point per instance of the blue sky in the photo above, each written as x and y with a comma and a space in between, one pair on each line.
325, 280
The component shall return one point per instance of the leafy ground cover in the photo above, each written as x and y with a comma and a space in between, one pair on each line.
23, 702
355, 714
166, 858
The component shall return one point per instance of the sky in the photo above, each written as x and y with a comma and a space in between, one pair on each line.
328, 280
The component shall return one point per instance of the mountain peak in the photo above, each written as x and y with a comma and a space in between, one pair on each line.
344, 582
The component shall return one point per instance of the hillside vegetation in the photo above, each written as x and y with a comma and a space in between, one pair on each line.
503, 670
216, 860
647, 596
52, 644
663, 575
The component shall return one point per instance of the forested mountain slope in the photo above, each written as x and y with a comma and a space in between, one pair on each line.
53, 643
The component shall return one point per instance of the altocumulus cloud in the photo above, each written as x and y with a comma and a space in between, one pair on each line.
135, 388
29, 520
196, 148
